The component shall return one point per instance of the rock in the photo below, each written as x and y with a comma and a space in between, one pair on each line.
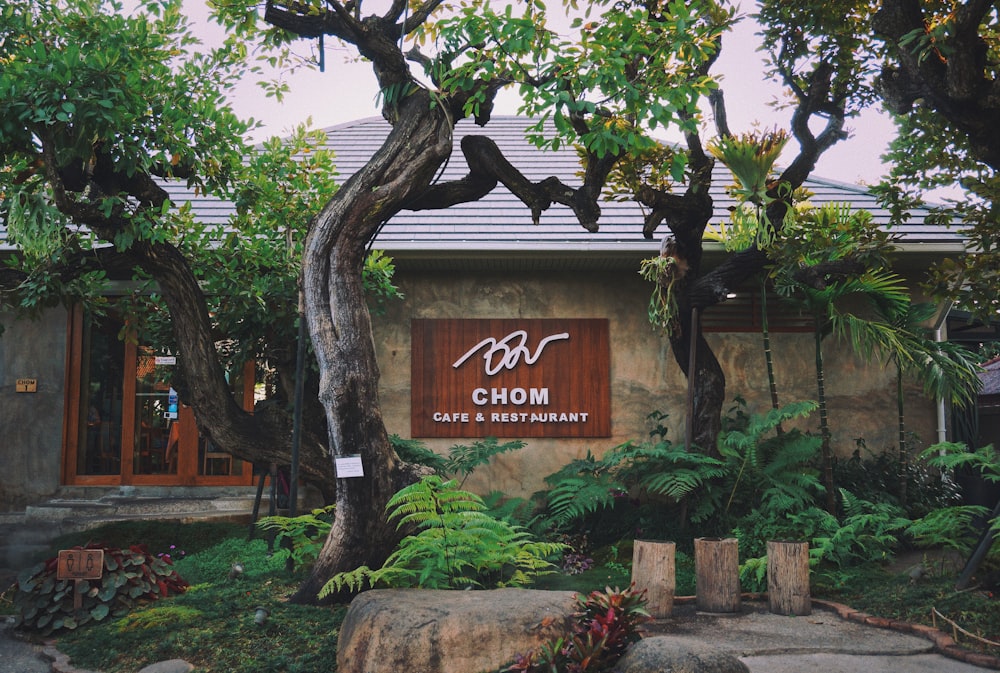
432, 631
669, 654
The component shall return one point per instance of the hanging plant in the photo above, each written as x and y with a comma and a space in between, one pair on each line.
664, 272
750, 157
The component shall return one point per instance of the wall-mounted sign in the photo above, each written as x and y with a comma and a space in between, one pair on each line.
510, 378
26, 385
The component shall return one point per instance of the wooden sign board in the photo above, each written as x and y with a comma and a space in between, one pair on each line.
510, 378
26, 385
80, 564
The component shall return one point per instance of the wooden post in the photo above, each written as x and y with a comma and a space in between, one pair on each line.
717, 574
653, 571
788, 578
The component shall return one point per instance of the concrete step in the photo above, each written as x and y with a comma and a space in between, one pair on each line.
24, 536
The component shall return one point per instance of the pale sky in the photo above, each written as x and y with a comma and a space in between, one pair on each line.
346, 91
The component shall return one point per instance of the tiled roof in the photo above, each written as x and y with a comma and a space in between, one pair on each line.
499, 227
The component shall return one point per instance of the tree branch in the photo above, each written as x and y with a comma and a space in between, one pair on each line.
487, 166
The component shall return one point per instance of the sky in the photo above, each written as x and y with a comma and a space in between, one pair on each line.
346, 91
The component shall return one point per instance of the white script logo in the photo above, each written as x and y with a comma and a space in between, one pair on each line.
506, 353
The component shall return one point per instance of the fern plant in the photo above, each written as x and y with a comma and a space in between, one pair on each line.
582, 487
948, 527
458, 545
301, 537
952, 456
774, 474
462, 460
869, 531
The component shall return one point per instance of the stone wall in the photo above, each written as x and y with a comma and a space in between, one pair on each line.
31, 424
644, 376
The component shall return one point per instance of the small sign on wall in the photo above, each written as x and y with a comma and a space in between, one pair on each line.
26, 386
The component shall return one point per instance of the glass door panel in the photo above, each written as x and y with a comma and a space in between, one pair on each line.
156, 430
99, 430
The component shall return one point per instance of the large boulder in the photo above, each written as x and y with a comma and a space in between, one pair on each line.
430, 631
670, 654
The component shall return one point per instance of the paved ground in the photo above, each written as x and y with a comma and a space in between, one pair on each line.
19, 656
823, 641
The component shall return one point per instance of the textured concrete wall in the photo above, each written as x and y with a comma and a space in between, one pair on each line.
644, 376
31, 423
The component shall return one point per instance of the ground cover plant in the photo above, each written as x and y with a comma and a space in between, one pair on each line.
132, 575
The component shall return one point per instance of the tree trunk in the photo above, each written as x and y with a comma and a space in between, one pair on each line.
717, 574
904, 457
788, 578
826, 450
772, 384
653, 571
259, 438
709, 385
340, 328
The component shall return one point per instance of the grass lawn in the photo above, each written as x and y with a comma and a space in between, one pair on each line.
212, 624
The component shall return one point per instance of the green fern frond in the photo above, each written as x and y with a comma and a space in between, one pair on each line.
753, 572
457, 544
414, 451
679, 482
464, 459
952, 456
576, 497
947, 527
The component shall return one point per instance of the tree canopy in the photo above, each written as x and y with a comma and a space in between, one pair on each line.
940, 80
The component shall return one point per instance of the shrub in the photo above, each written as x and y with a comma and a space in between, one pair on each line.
607, 622
131, 576
458, 544
300, 537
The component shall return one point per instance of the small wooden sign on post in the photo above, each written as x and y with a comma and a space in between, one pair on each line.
79, 565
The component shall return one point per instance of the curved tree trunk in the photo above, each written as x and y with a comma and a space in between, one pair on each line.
257, 438
340, 327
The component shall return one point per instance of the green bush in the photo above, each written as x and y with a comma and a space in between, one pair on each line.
458, 544
300, 537
607, 622
131, 576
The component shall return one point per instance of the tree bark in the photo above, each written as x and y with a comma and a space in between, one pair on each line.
788, 578
653, 571
341, 332
717, 574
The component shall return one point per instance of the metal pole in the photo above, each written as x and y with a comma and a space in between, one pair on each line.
300, 356
692, 360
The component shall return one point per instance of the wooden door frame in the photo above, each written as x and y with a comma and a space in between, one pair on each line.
187, 464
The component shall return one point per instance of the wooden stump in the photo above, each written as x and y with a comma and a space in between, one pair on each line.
717, 574
788, 578
653, 571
